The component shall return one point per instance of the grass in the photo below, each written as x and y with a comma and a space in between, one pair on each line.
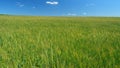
59, 42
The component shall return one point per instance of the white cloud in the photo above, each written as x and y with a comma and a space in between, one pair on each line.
90, 4
19, 4
84, 13
71, 14
52, 2
33, 7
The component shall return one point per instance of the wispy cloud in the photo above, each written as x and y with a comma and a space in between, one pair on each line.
52, 2
90, 4
33, 7
84, 13
17, 3
71, 14
20, 4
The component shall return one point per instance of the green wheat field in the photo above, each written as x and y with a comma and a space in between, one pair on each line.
59, 42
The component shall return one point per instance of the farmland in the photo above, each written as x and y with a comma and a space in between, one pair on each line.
59, 42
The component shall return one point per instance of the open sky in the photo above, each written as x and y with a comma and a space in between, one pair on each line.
61, 7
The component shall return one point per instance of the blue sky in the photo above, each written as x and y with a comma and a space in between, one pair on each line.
61, 7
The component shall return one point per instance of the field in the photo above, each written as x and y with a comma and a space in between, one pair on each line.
59, 42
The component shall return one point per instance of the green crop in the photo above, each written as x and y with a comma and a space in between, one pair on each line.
59, 42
